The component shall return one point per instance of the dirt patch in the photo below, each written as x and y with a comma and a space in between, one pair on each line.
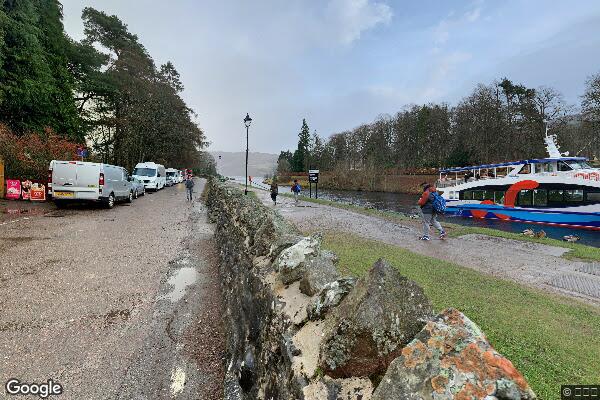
204, 340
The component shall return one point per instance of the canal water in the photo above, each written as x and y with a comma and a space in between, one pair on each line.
406, 203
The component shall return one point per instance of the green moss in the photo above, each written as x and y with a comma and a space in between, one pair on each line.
551, 339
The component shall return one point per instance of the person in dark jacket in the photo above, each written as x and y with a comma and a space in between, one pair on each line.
189, 188
428, 213
274, 191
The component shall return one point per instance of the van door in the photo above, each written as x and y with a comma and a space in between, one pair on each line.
64, 175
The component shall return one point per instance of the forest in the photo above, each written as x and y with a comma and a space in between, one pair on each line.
498, 122
104, 93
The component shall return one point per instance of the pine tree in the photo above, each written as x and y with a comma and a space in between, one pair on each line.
300, 158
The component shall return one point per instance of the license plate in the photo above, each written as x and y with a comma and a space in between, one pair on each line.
63, 194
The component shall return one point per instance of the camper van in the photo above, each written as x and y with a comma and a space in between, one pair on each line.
88, 181
153, 175
172, 176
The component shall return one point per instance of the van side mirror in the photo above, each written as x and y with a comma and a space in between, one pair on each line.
129, 179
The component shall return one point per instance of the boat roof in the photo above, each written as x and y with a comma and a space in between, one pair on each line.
511, 163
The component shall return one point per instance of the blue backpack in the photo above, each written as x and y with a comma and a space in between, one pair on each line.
438, 203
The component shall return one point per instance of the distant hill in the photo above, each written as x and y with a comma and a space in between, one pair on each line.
233, 163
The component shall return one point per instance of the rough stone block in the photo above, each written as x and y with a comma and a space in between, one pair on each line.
318, 272
342, 389
330, 296
369, 327
452, 359
291, 261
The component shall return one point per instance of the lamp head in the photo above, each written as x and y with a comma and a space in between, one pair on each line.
247, 120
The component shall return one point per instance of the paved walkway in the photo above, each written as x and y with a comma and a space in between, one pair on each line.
537, 265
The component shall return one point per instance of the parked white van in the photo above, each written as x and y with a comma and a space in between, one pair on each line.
153, 175
88, 181
172, 176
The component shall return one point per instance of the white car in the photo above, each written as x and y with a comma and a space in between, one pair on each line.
71, 181
153, 175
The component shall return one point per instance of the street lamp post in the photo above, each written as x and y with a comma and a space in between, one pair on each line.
247, 122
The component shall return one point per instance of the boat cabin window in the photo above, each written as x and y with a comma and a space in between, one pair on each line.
525, 198
563, 166
542, 167
573, 195
577, 164
499, 197
593, 197
564, 196
540, 197
526, 169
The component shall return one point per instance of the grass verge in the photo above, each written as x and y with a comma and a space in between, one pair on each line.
552, 340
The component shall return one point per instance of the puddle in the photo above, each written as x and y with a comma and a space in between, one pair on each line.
180, 280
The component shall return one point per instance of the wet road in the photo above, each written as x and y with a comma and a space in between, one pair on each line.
113, 304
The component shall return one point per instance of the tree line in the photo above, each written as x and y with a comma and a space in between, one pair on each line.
498, 122
105, 91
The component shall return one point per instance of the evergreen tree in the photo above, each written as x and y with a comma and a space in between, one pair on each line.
35, 85
300, 158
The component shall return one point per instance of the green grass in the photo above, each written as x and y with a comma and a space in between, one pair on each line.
551, 339
577, 251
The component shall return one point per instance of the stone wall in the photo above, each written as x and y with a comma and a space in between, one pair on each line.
299, 330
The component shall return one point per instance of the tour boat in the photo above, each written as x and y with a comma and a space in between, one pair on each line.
558, 190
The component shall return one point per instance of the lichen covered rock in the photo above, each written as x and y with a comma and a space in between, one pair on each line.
291, 261
330, 296
339, 389
318, 272
369, 327
452, 359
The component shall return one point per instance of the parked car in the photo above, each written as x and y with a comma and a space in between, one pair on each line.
71, 181
172, 176
138, 187
153, 175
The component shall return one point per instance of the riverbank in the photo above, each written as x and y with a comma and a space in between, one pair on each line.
511, 287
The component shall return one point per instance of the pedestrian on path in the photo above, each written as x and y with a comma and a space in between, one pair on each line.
189, 188
296, 189
274, 191
428, 203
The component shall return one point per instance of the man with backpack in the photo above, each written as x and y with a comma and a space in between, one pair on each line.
296, 189
432, 204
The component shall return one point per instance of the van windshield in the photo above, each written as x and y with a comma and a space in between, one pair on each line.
144, 172
170, 173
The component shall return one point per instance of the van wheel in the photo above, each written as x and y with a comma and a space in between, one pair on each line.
110, 203
130, 197
135, 194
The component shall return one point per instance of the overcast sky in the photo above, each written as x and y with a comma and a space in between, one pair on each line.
340, 63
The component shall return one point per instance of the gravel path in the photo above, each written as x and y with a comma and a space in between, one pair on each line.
536, 265
114, 304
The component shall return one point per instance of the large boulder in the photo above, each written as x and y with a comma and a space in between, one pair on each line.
330, 296
452, 359
369, 327
318, 272
291, 261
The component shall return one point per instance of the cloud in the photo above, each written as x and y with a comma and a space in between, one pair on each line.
353, 17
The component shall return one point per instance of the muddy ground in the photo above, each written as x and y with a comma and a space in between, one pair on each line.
113, 304
536, 265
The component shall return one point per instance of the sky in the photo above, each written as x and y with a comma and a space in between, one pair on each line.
341, 63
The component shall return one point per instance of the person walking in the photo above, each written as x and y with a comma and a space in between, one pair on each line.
296, 189
429, 214
189, 188
274, 191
